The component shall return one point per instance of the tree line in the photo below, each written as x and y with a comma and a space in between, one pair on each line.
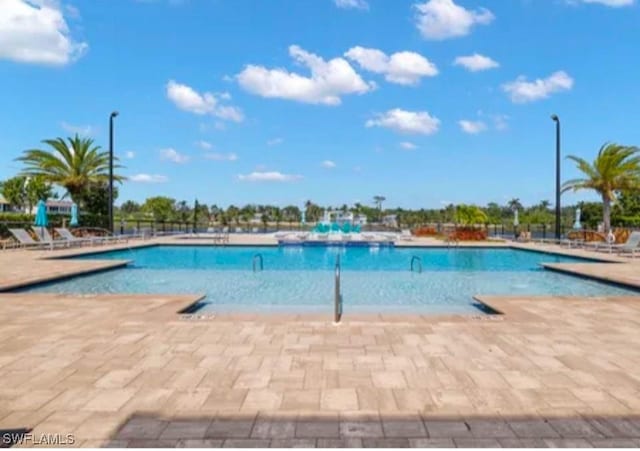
80, 168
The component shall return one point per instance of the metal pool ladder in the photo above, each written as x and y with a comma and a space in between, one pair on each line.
337, 294
258, 257
416, 259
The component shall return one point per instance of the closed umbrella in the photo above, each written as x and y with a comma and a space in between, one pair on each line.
74, 216
41, 217
516, 223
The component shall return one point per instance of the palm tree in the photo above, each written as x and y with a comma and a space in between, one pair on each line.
514, 204
615, 168
74, 164
378, 201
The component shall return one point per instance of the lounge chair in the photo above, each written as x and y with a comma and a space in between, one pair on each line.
24, 239
630, 246
405, 235
72, 239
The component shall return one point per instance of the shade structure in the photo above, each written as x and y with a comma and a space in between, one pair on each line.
74, 216
516, 222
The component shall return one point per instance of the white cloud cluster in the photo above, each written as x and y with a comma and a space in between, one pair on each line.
409, 122
405, 68
204, 145
612, 3
351, 4
149, 178
472, 127
188, 99
270, 176
443, 19
476, 62
523, 91
130, 155
275, 142
328, 164
406, 145
82, 130
329, 80
221, 156
35, 31
173, 155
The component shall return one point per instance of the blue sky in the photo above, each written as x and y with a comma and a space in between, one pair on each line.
425, 101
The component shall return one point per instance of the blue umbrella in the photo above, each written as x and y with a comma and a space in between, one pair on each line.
41, 215
74, 216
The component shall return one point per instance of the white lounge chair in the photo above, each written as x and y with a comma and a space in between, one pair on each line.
405, 235
72, 239
630, 246
23, 238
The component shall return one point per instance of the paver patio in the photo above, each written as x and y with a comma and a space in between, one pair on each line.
125, 370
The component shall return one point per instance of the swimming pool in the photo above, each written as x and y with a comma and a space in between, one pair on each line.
301, 279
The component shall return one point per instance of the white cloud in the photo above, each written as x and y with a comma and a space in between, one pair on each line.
188, 99
472, 127
405, 68
149, 178
173, 155
221, 156
476, 62
523, 91
36, 32
612, 3
406, 145
328, 164
130, 155
329, 80
82, 130
410, 122
501, 122
443, 19
204, 145
275, 142
272, 176
351, 4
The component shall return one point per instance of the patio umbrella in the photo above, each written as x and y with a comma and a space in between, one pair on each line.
516, 223
74, 216
303, 216
577, 225
41, 215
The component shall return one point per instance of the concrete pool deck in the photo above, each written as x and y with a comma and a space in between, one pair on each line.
124, 370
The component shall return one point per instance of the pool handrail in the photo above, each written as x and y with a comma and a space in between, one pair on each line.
337, 293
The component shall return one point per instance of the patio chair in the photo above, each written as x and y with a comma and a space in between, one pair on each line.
24, 239
405, 235
46, 239
72, 239
630, 246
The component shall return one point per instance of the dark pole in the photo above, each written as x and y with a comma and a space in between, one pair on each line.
556, 119
111, 118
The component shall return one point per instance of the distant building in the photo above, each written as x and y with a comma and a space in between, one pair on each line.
5, 206
55, 207
360, 220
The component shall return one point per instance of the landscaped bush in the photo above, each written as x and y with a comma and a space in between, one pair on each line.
468, 234
425, 231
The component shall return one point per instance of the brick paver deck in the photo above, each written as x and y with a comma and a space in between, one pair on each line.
124, 370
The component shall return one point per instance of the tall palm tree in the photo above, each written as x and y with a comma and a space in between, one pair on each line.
514, 204
378, 201
74, 164
615, 168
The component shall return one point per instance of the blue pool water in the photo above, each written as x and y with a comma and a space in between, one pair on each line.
300, 279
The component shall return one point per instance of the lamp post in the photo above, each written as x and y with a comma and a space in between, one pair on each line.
556, 119
111, 118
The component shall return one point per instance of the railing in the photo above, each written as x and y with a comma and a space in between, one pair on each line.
416, 259
258, 257
337, 294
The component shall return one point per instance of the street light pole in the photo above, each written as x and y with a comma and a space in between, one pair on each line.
111, 118
556, 119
